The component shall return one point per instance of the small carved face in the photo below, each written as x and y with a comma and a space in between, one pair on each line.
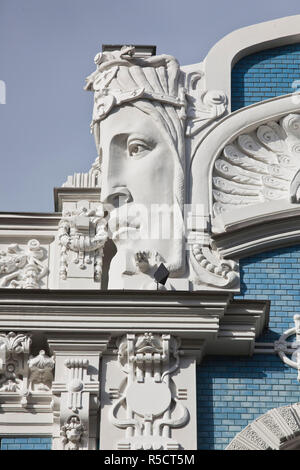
138, 172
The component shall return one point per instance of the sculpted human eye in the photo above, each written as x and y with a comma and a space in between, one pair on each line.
138, 148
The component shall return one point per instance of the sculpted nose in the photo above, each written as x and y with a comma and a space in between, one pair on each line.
115, 197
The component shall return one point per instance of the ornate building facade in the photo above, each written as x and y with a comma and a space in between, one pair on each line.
158, 306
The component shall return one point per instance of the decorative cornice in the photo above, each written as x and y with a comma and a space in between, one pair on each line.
249, 234
231, 325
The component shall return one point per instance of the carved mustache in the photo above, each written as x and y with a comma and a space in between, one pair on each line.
122, 220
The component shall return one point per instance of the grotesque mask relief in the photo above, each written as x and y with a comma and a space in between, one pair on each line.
143, 116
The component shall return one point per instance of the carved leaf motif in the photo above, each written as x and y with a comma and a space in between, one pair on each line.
258, 167
22, 267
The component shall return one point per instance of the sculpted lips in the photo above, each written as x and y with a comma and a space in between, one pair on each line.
122, 223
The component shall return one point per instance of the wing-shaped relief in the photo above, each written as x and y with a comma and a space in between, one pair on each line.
263, 165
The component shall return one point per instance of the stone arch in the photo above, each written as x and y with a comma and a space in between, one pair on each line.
278, 429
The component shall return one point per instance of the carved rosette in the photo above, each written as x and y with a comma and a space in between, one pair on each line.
82, 234
23, 268
148, 395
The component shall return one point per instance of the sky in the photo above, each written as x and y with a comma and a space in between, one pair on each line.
47, 49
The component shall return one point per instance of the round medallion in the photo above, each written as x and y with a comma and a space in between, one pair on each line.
149, 398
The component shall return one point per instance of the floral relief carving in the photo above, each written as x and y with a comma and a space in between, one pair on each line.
23, 268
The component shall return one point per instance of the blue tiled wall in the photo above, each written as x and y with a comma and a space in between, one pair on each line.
265, 74
233, 391
274, 275
26, 443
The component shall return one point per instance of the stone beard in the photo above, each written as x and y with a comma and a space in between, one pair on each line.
141, 145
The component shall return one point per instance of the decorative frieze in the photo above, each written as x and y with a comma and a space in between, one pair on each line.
23, 268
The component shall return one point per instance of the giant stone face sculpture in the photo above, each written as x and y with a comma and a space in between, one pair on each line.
144, 122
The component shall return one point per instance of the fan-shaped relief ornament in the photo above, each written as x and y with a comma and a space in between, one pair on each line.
260, 166
147, 405
82, 234
23, 268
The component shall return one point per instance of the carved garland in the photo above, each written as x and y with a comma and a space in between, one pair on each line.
82, 232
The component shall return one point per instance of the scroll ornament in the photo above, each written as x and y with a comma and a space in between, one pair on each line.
148, 396
23, 268
209, 267
204, 106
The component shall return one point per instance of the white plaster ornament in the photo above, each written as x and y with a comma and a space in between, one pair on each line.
284, 347
145, 109
23, 267
152, 407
